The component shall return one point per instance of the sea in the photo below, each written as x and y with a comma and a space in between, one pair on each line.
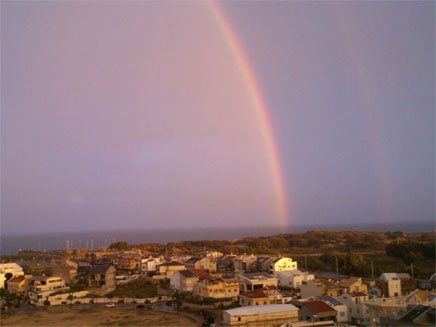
12, 244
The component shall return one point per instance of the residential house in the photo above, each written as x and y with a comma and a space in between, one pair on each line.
352, 285
102, 279
390, 284
130, 262
184, 280
37, 267
203, 263
217, 288
341, 309
150, 264
65, 269
292, 278
214, 256
389, 308
40, 287
358, 311
8, 271
420, 315
317, 287
265, 295
420, 297
261, 315
264, 263
282, 264
243, 263
225, 263
166, 270
316, 310
19, 284
254, 281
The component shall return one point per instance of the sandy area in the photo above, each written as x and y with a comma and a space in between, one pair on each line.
97, 317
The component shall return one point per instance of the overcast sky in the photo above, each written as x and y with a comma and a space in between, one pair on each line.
135, 114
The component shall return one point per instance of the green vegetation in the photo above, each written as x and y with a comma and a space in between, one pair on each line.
139, 288
121, 245
11, 299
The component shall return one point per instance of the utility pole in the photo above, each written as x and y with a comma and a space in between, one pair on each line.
372, 269
337, 267
411, 269
305, 261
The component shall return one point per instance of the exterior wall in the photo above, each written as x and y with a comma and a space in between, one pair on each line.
358, 311
266, 319
285, 278
252, 284
311, 288
149, 265
394, 288
204, 264
168, 271
181, 283
175, 281
342, 315
306, 314
284, 264
246, 301
9, 268
63, 272
129, 263
231, 289
39, 290
244, 263
19, 288
103, 283
217, 289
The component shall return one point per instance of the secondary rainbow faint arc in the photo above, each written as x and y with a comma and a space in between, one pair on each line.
261, 109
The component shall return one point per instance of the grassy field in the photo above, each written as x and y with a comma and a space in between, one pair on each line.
140, 288
61, 316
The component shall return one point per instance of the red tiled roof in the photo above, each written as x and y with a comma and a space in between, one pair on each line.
318, 306
16, 279
357, 294
188, 274
256, 294
200, 273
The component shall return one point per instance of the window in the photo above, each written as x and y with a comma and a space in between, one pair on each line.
342, 314
239, 318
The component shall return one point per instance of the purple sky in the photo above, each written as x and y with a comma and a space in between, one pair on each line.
135, 115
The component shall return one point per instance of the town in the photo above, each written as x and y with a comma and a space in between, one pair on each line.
215, 288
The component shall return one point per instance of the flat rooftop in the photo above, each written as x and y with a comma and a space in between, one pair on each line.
260, 309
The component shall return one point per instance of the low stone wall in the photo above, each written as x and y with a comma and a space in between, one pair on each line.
205, 306
63, 300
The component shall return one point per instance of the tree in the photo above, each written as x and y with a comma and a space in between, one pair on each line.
121, 245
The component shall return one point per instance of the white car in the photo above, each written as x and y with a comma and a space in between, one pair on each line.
110, 305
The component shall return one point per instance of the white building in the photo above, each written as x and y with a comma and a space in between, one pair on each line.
283, 264
358, 311
292, 278
340, 307
8, 271
41, 287
261, 315
390, 284
149, 265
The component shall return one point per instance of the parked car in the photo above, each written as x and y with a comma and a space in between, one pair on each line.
140, 306
110, 305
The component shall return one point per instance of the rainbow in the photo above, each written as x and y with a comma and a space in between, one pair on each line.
261, 109
368, 109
